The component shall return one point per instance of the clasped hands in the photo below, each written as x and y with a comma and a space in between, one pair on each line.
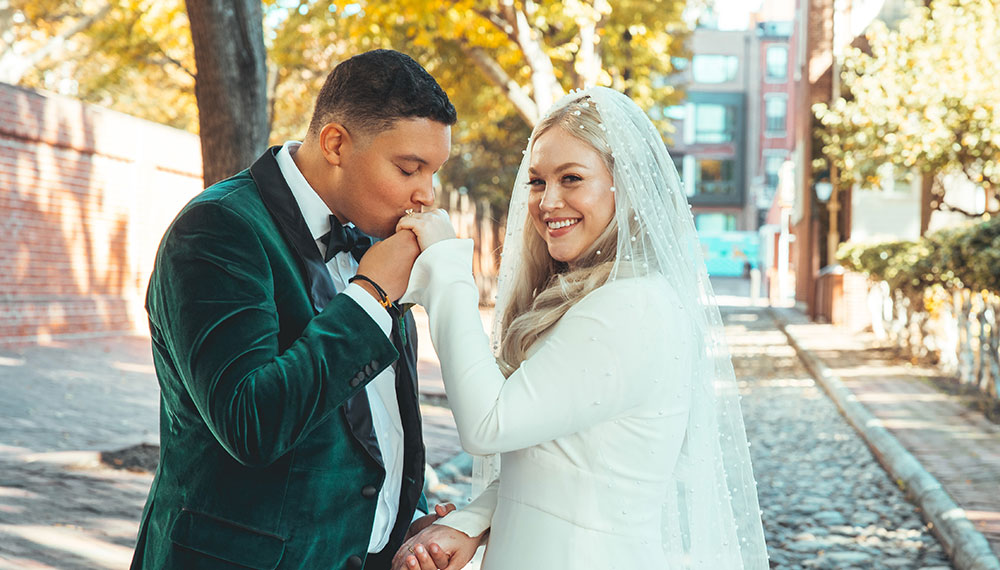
431, 546
390, 261
429, 227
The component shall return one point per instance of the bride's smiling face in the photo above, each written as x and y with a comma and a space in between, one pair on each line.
570, 202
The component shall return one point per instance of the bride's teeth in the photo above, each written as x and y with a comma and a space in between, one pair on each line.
562, 224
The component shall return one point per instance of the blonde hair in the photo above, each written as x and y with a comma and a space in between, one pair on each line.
545, 289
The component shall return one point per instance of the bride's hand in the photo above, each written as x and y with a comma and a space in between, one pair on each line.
436, 547
430, 227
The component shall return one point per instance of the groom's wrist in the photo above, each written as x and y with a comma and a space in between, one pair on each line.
368, 289
373, 288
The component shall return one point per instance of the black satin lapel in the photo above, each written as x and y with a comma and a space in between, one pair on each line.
278, 200
409, 414
406, 366
358, 413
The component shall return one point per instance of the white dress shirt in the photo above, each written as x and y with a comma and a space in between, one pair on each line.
382, 390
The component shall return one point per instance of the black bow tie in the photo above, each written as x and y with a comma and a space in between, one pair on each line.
345, 238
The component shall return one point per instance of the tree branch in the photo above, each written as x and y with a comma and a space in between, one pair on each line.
513, 22
500, 21
587, 64
526, 107
14, 69
167, 59
946, 207
545, 87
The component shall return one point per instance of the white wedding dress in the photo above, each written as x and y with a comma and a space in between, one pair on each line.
589, 426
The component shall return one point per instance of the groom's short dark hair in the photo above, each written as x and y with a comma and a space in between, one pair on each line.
369, 92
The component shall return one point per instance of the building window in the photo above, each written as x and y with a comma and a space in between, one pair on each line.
715, 222
776, 111
678, 160
714, 123
715, 176
674, 112
713, 68
776, 63
772, 166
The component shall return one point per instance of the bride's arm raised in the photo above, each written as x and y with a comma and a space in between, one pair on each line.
604, 359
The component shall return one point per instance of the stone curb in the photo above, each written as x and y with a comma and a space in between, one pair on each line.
967, 547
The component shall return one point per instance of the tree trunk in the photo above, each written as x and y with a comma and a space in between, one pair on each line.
983, 355
967, 355
990, 382
231, 84
926, 196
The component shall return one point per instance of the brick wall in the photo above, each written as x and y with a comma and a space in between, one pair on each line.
85, 195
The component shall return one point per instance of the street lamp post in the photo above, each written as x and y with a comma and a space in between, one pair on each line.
826, 193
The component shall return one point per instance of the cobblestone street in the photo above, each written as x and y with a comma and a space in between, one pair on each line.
827, 502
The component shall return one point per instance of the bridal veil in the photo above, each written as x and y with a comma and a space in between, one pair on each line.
711, 518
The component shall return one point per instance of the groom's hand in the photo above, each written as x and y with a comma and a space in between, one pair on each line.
389, 262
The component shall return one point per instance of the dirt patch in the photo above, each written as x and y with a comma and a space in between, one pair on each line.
142, 458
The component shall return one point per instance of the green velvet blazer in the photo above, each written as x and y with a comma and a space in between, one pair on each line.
268, 456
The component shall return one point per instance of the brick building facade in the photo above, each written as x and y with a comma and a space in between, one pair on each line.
85, 195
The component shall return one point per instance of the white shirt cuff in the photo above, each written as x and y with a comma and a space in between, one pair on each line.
374, 309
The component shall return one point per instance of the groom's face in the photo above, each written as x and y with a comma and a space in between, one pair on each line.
384, 175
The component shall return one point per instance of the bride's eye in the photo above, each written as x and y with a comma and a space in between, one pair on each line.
536, 184
570, 178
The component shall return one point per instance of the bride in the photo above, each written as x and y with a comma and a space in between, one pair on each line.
609, 393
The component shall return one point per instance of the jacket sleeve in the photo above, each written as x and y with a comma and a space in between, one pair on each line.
598, 363
476, 517
212, 303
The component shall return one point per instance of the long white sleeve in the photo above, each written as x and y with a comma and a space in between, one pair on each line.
597, 363
473, 519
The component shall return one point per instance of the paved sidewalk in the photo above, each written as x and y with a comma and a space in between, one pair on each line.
62, 404
945, 444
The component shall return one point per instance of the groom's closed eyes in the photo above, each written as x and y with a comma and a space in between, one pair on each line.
409, 164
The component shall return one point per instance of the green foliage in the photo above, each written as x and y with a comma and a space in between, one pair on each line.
927, 97
964, 257
134, 56
137, 57
634, 41
979, 247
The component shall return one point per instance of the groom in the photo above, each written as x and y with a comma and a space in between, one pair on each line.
289, 424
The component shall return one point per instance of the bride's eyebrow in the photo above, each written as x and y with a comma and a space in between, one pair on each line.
569, 165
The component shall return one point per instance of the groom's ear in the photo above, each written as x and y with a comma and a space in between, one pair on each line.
333, 138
